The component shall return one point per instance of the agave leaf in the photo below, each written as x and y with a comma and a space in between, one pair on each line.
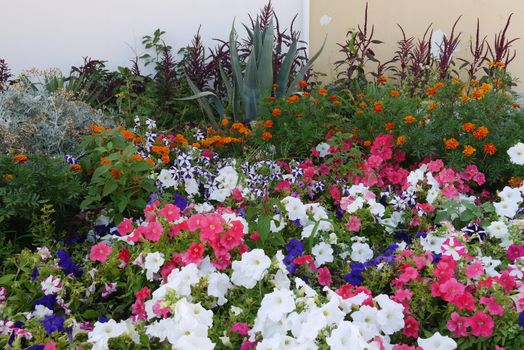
227, 83
265, 62
250, 91
304, 69
257, 40
200, 97
285, 69
235, 60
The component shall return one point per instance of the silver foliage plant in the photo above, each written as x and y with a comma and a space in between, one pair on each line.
36, 121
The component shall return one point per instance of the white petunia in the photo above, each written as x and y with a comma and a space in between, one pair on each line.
152, 264
346, 336
102, 332
323, 253
361, 252
167, 178
51, 285
250, 269
497, 229
506, 208
366, 319
437, 342
516, 154
323, 149
277, 304
218, 285
432, 243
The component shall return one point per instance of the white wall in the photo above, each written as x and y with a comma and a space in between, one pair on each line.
58, 33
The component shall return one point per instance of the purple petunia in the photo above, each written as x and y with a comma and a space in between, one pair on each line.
53, 323
67, 264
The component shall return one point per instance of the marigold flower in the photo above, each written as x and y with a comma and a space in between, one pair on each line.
431, 91
293, 99
513, 182
378, 107
307, 94
165, 158
490, 149
486, 87
478, 94
359, 112
409, 119
20, 158
390, 126
303, 84
225, 122
465, 97
115, 173
394, 93
196, 145
367, 143
516, 105
136, 157
362, 105
180, 139
237, 126
468, 127
382, 79
96, 128
323, 92
481, 133
150, 162
105, 161
8, 177
360, 95
469, 150
432, 106
77, 168
266, 135
333, 98
401, 140
451, 143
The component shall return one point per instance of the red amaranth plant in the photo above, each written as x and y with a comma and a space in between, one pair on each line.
421, 60
478, 50
447, 49
402, 55
501, 50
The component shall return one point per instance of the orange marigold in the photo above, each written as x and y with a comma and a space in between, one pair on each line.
150, 162
468, 127
128, 135
268, 123
77, 168
165, 158
362, 105
20, 158
238, 126
481, 133
378, 107
431, 91
266, 135
105, 161
303, 84
451, 143
115, 173
307, 94
225, 122
360, 95
8, 177
490, 149
401, 140
409, 119
136, 157
390, 126
432, 106
333, 98
367, 143
486, 87
439, 85
382, 79
469, 150
323, 92
359, 112
96, 128
293, 99
515, 181
394, 93
478, 94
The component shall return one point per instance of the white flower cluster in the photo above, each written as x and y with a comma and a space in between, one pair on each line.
312, 216
102, 332
224, 184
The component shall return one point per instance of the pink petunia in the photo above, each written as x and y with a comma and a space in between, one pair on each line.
125, 227
474, 270
481, 324
241, 328
492, 306
100, 252
458, 325
194, 253
324, 276
411, 327
435, 165
153, 231
353, 223
170, 212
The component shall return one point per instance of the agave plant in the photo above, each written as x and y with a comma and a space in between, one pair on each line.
252, 80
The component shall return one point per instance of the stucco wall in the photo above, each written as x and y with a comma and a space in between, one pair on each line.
58, 33
414, 16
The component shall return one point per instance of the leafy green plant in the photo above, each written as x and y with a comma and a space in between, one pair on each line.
119, 178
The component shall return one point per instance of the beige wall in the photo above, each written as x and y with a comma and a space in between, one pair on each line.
414, 16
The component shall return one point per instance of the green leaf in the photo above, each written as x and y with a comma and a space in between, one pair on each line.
5, 279
109, 187
304, 69
263, 227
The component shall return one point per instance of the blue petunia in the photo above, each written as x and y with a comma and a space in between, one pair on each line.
48, 301
521, 319
67, 265
295, 247
53, 323
180, 201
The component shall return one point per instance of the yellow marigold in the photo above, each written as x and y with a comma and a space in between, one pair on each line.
394, 93
465, 97
390, 126
432, 106
451, 143
401, 140
20, 158
469, 150
266, 135
490, 149
323, 92
468, 127
378, 107
481, 133
409, 119
293, 99
276, 112
486, 87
